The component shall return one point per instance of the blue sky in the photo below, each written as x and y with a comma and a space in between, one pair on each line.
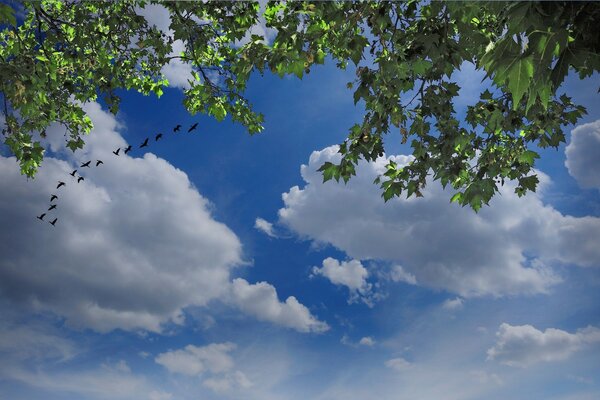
160, 281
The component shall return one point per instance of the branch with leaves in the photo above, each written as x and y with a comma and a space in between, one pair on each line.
65, 53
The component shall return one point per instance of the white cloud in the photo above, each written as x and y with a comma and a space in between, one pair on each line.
398, 364
260, 300
453, 304
193, 360
351, 274
582, 155
437, 243
398, 274
367, 341
265, 227
213, 359
134, 244
520, 346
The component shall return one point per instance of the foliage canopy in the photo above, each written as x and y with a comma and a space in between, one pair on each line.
65, 53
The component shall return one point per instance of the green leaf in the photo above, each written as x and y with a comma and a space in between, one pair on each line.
528, 157
457, 198
7, 15
520, 76
329, 170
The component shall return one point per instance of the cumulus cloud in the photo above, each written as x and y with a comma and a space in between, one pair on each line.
398, 364
260, 300
213, 359
351, 274
582, 155
520, 346
265, 227
134, 244
367, 341
453, 304
507, 248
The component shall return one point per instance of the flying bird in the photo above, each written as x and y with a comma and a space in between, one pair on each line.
41, 217
128, 149
73, 173
98, 162
60, 183
177, 128
145, 144
53, 222
193, 127
80, 179
116, 152
86, 164
53, 197
158, 137
52, 207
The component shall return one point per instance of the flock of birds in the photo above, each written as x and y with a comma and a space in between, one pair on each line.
87, 164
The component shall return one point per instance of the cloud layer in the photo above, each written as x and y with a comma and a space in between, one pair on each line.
507, 248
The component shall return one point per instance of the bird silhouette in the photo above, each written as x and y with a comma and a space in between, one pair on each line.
158, 137
145, 144
177, 128
41, 217
73, 173
52, 207
128, 149
116, 152
80, 179
98, 162
53, 197
53, 222
86, 164
60, 184
193, 127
